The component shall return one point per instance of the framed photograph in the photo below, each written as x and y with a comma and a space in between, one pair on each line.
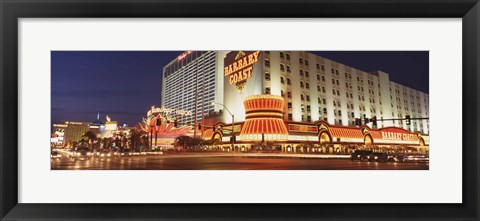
239, 110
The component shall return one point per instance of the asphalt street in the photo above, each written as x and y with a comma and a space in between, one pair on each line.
215, 161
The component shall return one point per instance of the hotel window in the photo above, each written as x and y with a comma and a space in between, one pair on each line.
351, 96
346, 75
346, 94
288, 69
302, 107
306, 62
289, 105
319, 100
338, 92
267, 76
350, 76
282, 80
290, 117
289, 94
307, 74
324, 101
340, 121
333, 81
318, 66
267, 63
289, 81
323, 89
301, 72
336, 72
302, 97
333, 91
303, 117
338, 83
267, 90
281, 93
301, 84
323, 78
323, 67
308, 97
288, 56
307, 85
333, 71
324, 110
282, 55
334, 103
318, 88
353, 114
308, 108
309, 118
300, 60
318, 77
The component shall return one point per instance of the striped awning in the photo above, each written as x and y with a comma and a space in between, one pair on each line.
376, 134
207, 134
346, 133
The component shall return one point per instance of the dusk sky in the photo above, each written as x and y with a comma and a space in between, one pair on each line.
125, 84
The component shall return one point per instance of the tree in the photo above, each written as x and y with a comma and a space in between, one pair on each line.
91, 137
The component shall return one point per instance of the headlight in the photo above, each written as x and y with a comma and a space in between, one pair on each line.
376, 158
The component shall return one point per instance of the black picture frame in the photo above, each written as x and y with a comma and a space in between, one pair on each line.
12, 10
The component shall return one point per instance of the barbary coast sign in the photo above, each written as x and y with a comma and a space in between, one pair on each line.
397, 136
239, 68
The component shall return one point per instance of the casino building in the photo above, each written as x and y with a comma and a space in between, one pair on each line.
291, 98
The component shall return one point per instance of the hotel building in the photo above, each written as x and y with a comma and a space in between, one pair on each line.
314, 89
191, 82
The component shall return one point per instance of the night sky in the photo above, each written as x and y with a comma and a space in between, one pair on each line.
125, 84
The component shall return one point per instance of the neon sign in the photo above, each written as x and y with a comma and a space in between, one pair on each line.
240, 69
167, 111
183, 55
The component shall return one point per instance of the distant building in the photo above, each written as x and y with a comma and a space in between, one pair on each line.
72, 131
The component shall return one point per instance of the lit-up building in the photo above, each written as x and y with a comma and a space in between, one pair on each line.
320, 100
191, 82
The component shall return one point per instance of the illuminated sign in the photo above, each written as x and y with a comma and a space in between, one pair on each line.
397, 136
112, 125
302, 128
238, 67
183, 55
167, 111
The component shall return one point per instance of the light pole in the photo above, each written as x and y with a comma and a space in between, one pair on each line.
233, 122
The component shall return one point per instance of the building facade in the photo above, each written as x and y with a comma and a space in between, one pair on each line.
314, 88
192, 82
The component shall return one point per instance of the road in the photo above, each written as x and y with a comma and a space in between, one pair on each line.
227, 161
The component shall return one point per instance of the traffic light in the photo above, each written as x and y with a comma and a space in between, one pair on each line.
367, 120
374, 121
175, 123
408, 119
358, 122
233, 139
158, 122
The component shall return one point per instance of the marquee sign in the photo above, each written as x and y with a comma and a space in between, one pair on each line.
302, 128
238, 67
397, 134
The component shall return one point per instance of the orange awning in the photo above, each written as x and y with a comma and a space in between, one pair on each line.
346, 133
207, 134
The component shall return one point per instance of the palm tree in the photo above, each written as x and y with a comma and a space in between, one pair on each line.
90, 136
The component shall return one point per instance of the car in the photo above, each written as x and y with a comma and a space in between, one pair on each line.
121, 152
378, 157
362, 155
415, 158
55, 155
81, 153
104, 153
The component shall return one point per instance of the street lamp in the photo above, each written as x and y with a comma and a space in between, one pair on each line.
233, 122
